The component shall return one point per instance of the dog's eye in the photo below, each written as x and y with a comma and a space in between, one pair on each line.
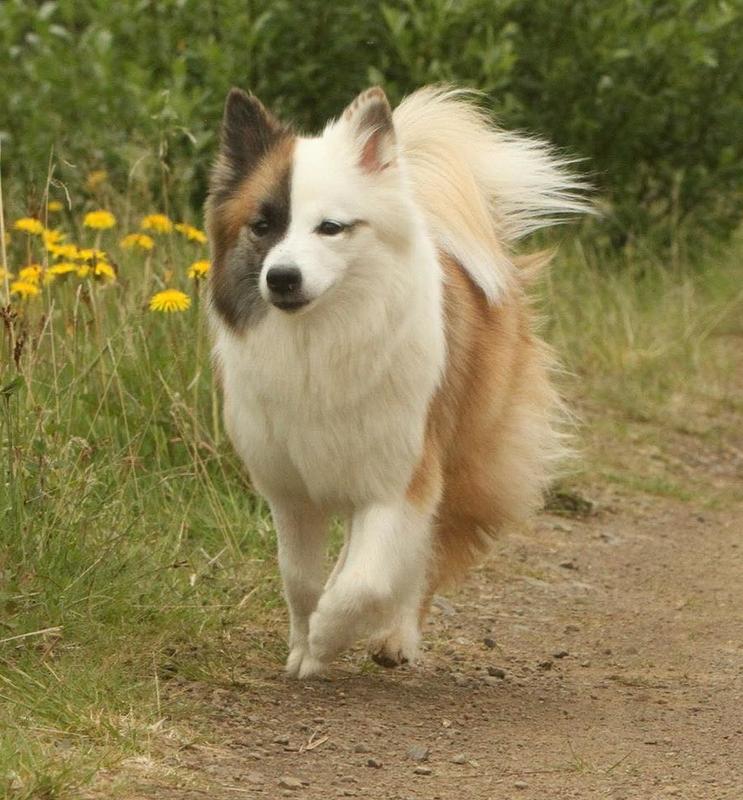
259, 227
330, 228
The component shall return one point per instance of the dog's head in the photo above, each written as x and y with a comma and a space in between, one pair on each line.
291, 219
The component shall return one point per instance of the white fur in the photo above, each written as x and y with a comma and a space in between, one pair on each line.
327, 407
482, 188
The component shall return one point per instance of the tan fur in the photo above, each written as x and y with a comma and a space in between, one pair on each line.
490, 428
224, 222
482, 189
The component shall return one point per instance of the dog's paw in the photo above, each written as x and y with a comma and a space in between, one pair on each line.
301, 664
311, 667
395, 648
294, 661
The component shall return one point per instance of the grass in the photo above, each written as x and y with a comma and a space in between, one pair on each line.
651, 360
131, 549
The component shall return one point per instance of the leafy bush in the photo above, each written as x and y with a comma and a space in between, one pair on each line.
649, 93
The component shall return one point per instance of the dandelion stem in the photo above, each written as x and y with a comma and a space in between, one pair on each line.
3, 254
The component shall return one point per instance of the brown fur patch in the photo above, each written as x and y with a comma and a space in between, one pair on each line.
225, 219
259, 185
490, 424
237, 254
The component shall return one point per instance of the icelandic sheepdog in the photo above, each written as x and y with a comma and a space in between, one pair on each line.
377, 352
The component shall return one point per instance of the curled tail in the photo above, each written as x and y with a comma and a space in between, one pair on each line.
481, 188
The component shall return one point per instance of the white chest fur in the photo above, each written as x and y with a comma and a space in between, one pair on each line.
334, 407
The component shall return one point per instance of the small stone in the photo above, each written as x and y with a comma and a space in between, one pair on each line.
488, 642
545, 665
281, 740
497, 672
520, 785
362, 748
461, 680
560, 654
459, 758
423, 770
374, 763
419, 752
287, 782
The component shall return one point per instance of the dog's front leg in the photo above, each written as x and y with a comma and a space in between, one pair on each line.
301, 531
385, 564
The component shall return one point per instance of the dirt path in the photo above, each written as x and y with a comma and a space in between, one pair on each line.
596, 658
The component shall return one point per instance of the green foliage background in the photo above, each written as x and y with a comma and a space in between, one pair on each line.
649, 93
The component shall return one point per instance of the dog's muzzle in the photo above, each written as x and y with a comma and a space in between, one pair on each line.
284, 283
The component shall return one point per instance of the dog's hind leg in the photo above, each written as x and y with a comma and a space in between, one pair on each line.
301, 532
384, 570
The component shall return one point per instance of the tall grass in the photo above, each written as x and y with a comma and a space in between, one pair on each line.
131, 548
128, 537
652, 354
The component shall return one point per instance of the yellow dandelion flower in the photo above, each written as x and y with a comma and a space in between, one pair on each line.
62, 268
52, 237
170, 300
141, 240
90, 254
198, 270
24, 289
100, 220
95, 179
54, 205
83, 271
157, 222
30, 274
66, 251
29, 225
104, 270
191, 233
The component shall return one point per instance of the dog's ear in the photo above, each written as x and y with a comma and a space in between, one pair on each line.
369, 118
248, 132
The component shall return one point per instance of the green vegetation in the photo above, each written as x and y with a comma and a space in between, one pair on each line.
132, 551
649, 93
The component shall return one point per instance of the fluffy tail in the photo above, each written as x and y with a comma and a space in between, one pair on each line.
481, 188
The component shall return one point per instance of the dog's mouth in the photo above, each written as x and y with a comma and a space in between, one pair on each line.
290, 306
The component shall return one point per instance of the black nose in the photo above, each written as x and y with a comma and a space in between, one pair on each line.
284, 279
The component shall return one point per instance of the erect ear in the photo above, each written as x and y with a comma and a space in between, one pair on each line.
248, 131
369, 118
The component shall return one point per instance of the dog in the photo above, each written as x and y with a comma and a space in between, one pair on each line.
377, 351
